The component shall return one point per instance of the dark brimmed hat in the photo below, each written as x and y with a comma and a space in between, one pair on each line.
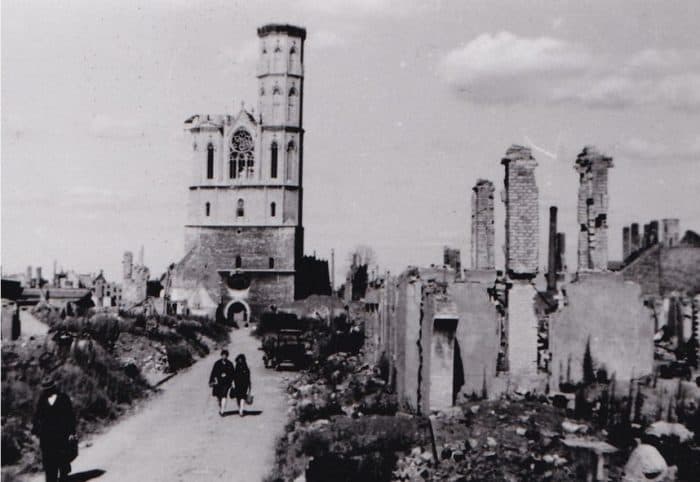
224, 352
48, 383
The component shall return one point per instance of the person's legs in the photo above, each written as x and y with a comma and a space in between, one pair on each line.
50, 465
241, 406
222, 405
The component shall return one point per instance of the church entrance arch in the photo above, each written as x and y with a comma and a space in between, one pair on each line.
237, 311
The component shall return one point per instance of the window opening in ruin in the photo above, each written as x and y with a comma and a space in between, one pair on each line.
241, 157
210, 162
277, 47
273, 209
239, 262
262, 90
207, 209
271, 263
240, 208
276, 90
273, 160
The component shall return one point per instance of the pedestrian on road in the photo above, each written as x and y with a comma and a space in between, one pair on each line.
54, 424
242, 385
221, 379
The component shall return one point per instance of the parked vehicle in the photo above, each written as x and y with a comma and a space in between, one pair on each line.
285, 348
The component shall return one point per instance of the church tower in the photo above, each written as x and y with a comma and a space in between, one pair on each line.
244, 233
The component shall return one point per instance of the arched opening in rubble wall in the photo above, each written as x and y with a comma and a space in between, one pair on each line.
446, 373
238, 312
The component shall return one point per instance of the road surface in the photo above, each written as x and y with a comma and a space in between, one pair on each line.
179, 435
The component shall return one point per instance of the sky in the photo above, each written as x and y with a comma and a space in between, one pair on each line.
406, 105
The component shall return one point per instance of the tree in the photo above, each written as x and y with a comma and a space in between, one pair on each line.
588, 369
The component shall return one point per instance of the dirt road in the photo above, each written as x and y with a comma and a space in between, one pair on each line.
179, 435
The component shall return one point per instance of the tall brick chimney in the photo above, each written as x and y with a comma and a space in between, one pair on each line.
521, 198
482, 225
553, 250
592, 167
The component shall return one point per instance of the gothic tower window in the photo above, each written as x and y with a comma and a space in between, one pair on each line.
276, 104
292, 102
207, 209
291, 159
241, 157
210, 162
273, 160
239, 262
292, 56
240, 208
273, 209
271, 263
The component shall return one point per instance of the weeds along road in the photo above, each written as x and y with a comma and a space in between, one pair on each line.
179, 436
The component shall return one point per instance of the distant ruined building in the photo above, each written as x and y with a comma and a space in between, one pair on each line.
483, 228
244, 237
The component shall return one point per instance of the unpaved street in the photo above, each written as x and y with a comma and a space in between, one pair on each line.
179, 435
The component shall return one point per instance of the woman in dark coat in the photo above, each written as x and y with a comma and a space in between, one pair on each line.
241, 380
221, 379
54, 424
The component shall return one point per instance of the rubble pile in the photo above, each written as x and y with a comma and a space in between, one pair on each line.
343, 423
503, 440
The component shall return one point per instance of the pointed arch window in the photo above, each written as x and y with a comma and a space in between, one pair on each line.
271, 263
273, 160
277, 47
291, 159
210, 161
241, 155
239, 262
207, 209
273, 209
240, 208
262, 90
292, 104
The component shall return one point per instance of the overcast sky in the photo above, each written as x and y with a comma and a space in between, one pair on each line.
406, 106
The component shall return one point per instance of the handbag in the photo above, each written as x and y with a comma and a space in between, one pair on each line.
70, 451
249, 399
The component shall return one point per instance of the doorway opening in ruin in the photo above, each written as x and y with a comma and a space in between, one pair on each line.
446, 372
238, 313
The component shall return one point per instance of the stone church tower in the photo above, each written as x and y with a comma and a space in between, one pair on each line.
244, 233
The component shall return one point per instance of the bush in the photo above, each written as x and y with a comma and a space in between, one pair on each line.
179, 357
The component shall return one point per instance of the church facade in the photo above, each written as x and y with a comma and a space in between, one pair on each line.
244, 237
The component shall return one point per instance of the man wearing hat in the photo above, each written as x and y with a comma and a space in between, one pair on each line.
220, 380
54, 424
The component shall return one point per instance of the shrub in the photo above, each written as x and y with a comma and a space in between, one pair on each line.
179, 357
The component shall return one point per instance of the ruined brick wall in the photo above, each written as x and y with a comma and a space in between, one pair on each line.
626, 246
521, 198
602, 308
522, 328
407, 349
660, 270
670, 235
477, 335
593, 209
483, 227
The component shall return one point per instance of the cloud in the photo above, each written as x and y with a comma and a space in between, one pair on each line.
364, 8
505, 68
104, 126
324, 39
637, 149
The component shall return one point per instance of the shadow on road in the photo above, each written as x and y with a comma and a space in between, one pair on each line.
246, 413
85, 475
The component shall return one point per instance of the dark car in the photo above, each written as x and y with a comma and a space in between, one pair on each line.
285, 348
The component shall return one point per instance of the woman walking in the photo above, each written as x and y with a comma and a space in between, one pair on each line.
221, 379
242, 385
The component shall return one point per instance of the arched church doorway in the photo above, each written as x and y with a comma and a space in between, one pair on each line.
238, 312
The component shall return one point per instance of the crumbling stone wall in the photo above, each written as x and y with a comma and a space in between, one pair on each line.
521, 198
523, 327
671, 232
593, 209
606, 312
660, 270
483, 228
212, 249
